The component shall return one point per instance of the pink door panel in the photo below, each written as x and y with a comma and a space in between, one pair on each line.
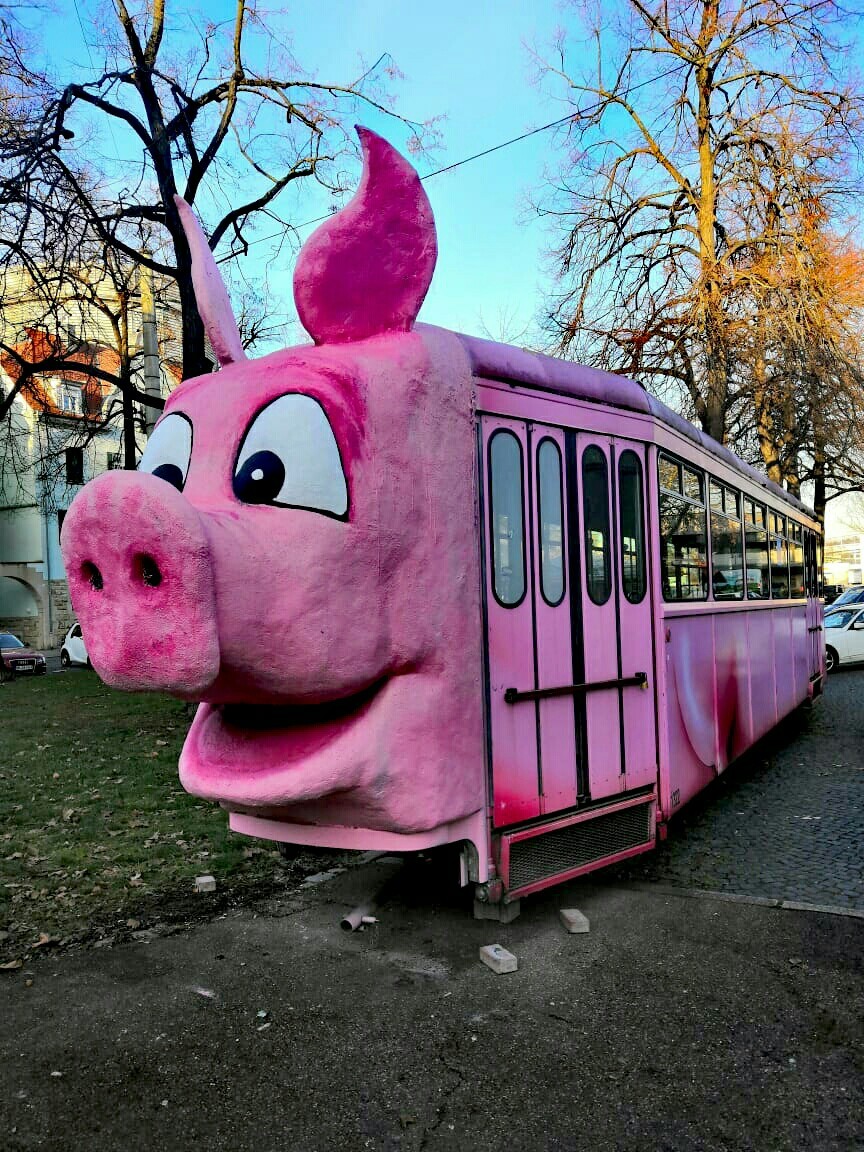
552, 583
634, 610
603, 736
510, 622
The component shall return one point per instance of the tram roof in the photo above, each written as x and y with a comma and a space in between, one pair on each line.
493, 361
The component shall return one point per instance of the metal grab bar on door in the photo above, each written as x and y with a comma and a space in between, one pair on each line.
514, 696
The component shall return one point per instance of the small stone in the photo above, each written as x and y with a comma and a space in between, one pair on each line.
574, 920
205, 884
498, 959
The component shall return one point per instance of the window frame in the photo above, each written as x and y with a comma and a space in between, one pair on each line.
763, 529
76, 454
795, 539
735, 517
492, 537
664, 456
551, 440
588, 551
642, 557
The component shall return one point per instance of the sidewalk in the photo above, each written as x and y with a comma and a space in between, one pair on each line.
674, 1024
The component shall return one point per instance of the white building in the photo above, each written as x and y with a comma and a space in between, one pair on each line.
61, 431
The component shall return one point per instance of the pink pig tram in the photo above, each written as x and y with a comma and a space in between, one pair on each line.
651, 610
427, 589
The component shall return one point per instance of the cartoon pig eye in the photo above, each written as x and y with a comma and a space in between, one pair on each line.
169, 449
289, 457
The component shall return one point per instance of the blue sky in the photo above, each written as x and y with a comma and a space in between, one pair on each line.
466, 62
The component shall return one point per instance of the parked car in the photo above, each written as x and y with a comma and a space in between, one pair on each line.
16, 659
74, 650
831, 591
844, 637
852, 595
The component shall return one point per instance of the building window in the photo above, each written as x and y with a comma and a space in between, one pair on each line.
70, 400
506, 518
632, 527
727, 554
61, 516
115, 460
683, 532
595, 512
74, 465
551, 517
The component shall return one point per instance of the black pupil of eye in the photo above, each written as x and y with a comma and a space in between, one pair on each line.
171, 473
260, 479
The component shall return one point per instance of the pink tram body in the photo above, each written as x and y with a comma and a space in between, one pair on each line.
428, 589
650, 609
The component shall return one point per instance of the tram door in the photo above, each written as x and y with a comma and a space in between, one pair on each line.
606, 480
535, 758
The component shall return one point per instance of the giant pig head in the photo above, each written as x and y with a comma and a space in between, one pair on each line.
297, 550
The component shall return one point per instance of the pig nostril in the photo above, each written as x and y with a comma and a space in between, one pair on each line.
147, 571
92, 575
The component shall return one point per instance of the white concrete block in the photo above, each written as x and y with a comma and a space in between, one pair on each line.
498, 959
574, 920
205, 884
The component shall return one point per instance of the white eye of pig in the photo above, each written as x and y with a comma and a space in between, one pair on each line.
169, 449
289, 457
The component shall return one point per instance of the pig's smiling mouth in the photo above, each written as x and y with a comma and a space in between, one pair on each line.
270, 717
257, 754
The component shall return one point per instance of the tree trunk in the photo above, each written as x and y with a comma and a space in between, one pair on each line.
716, 373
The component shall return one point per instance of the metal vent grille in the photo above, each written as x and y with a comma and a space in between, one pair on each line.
551, 853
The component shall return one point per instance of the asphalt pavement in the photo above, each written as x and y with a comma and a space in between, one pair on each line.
675, 1023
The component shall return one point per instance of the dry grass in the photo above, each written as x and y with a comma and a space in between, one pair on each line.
96, 835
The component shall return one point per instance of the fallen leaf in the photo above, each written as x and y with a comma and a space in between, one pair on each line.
10, 965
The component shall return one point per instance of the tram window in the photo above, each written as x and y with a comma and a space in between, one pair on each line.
551, 519
595, 498
683, 541
669, 474
632, 527
693, 484
820, 566
779, 567
756, 551
506, 518
727, 555
796, 562
809, 566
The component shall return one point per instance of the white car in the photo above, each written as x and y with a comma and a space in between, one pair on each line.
74, 650
844, 637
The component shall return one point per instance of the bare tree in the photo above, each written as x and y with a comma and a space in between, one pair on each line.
682, 108
204, 119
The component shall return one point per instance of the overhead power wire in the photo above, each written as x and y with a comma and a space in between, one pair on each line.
470, 159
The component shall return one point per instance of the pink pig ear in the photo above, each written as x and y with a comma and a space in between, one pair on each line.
211, 294
367, 269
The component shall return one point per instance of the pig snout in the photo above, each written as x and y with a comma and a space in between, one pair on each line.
141, 582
